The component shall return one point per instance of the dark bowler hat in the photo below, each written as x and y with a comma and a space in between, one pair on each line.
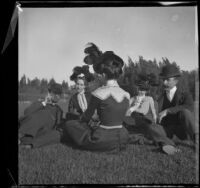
55, 88
169, 71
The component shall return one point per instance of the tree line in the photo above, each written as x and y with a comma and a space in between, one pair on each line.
188, 81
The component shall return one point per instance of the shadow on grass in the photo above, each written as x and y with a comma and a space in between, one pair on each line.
187, 145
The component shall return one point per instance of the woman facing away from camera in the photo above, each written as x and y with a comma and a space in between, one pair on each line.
78, 102
111, 103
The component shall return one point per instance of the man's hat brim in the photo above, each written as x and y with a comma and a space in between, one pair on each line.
169, 75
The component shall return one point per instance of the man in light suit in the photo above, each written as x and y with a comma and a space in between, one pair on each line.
175, 107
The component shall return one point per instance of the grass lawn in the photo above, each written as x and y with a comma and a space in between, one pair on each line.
138, 164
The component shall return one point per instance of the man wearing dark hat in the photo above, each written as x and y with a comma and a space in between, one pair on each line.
40, 117
175, 106
141, 117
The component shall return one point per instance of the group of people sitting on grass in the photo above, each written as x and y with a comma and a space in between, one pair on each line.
108, 119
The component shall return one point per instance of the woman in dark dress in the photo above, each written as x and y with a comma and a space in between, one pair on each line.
78, 102
40, 118
111, 103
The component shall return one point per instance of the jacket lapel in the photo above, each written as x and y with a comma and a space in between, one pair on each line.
87, 96
160, 102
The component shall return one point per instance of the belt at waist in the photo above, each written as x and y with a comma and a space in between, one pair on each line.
111, 127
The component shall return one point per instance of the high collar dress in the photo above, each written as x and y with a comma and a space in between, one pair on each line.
111, 103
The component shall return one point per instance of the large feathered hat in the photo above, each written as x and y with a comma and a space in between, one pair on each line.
98, 59
82, 72
145, 81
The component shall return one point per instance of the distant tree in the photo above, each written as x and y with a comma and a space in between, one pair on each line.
35, 83
22, 84
43, 85
28, 82
193, 80
65, 86
51, 81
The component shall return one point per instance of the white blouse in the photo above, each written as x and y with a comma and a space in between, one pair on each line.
142, 104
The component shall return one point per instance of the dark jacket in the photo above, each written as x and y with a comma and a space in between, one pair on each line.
40, 118
74, 110
182, 100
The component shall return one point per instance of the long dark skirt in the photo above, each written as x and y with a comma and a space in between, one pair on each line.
145, 127
37, 123
98, 139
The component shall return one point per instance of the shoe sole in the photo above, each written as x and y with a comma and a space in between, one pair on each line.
170, 150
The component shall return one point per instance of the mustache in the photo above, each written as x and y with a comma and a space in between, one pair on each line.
166, 87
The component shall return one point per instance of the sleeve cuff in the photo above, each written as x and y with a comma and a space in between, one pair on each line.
43, 103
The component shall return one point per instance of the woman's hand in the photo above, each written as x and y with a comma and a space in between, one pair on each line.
162, 115
155, 118
47, 100
129, 112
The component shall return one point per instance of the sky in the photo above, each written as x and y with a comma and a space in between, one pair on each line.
52, 40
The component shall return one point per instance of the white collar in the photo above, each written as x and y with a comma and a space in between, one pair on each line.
173, 90
82, 92
112, 83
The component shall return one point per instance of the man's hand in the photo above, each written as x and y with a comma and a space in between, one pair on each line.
155, 118
76, 112
128, 113
161, 115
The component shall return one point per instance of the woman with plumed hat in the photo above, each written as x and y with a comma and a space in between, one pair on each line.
111, 103
78, 102
142, 103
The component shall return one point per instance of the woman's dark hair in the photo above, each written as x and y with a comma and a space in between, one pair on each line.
111, 65
77, 71
107, 62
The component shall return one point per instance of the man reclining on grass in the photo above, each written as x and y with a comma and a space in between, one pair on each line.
40, 117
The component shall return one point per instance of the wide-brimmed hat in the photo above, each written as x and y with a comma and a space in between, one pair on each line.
169, 71
82, 72
55, 88
145, 81
99, 60
143, 85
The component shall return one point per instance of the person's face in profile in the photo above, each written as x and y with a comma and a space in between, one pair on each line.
169, 83
80, 85
54, 98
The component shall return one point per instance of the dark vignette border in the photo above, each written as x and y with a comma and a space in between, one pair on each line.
10, 72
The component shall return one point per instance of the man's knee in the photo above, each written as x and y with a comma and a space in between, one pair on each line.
185, 114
